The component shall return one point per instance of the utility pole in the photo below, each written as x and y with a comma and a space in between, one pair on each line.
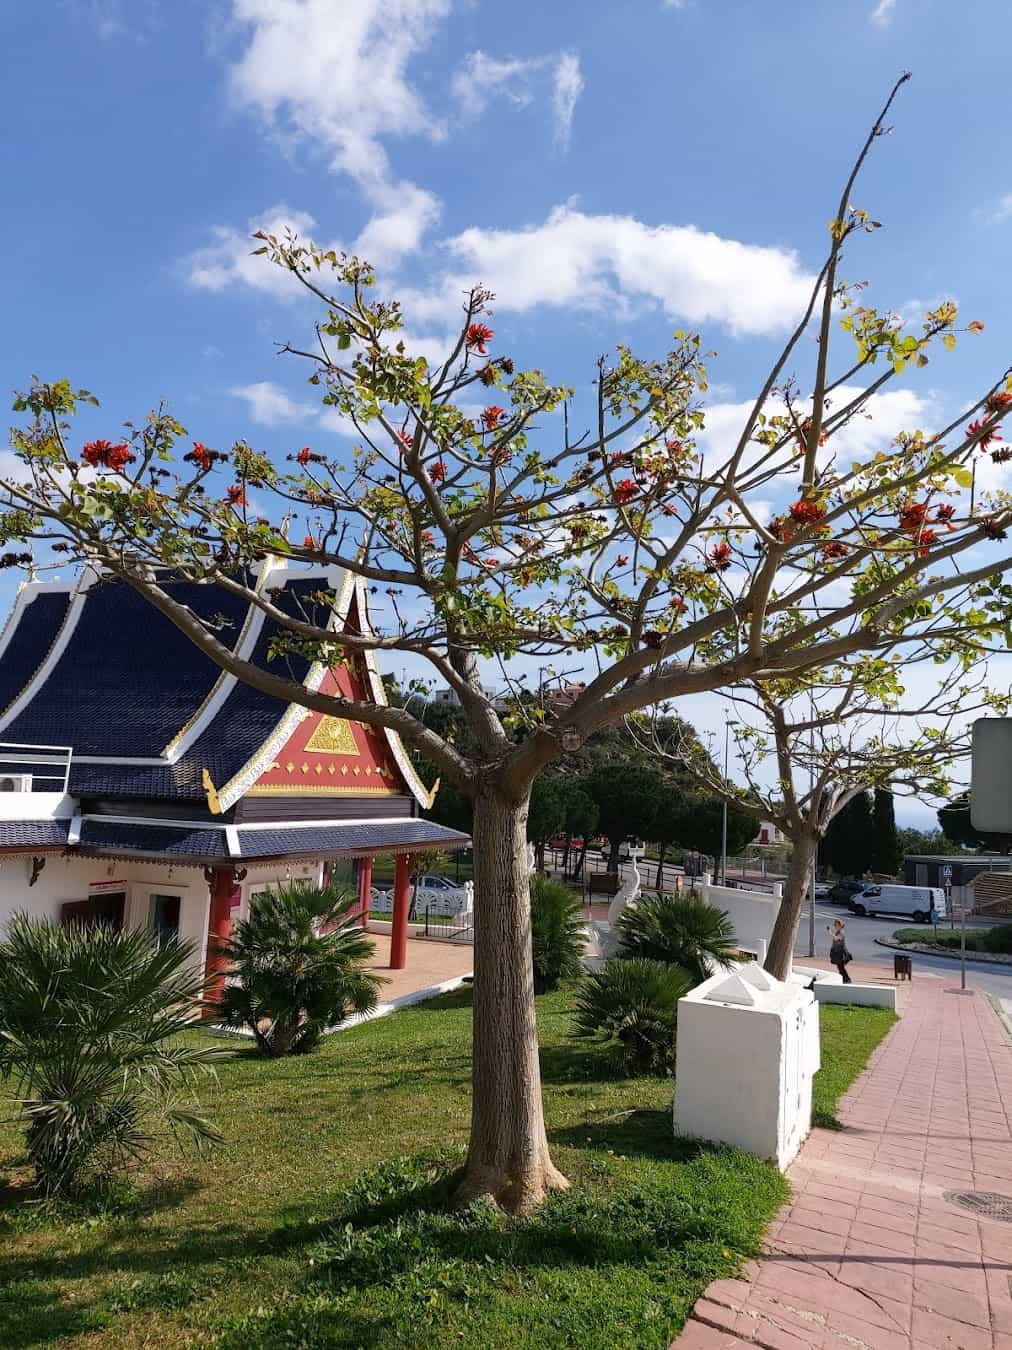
723, 827
811, 808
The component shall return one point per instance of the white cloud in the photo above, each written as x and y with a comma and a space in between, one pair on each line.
407, 212
336, 75
884, 417
592, 262
270, 406
882, 14
999, 212
482, 78
566, 89
228, 260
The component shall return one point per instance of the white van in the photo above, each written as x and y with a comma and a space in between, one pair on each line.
922, 904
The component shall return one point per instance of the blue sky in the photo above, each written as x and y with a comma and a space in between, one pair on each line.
613, 170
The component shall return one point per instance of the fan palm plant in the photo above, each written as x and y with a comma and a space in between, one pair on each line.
634, 1002
89, 1026
558, 932
681, 930
297, 968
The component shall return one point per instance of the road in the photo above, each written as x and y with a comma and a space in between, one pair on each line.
861, 935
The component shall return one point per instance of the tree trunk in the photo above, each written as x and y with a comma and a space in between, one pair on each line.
507, 1157
541, 855
662, 851
565, 854
785, 930
615, 845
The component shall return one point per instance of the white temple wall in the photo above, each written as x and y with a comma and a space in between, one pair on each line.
64, 880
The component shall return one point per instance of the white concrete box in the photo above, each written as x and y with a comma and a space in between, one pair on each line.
748, 1048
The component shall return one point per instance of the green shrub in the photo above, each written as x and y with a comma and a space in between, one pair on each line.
557, 931
633, 1002
88, 1018
297, 968
680, 930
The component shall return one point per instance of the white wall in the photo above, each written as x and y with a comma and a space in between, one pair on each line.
76, 878
752, 914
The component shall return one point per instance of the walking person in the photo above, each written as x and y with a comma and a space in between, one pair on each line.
838, 953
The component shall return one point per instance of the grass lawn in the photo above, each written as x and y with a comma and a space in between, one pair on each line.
291, 1236
996, 938
849, 1035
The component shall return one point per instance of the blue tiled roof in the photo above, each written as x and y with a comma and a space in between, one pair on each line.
128, 679
326, 840
30, 642
33, 833
169, 841
312, 841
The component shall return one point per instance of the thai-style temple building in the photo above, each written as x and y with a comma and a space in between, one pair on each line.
141, 785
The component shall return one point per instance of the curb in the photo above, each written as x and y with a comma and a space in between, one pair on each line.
922, 949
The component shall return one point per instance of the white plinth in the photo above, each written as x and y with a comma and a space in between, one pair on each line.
748, 1047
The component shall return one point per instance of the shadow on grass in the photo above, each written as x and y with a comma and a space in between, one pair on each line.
634, 1134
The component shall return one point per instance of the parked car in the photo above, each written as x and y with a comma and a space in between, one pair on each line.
562, 841
821, 890
844, 891
922, 904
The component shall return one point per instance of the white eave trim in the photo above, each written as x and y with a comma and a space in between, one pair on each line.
415, 785
241, 782
79, 592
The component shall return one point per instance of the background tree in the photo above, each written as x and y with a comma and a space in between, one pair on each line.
546, 817
581, 818
548, 528
706, 824
954, 818
626, 797
848, 843
808, 748
670, 824
931, 843
885, 853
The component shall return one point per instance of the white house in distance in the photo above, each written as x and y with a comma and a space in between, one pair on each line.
140, 785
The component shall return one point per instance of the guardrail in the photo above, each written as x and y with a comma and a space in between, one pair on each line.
47, 766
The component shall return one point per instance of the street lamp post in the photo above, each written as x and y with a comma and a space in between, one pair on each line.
723, 825
815, 855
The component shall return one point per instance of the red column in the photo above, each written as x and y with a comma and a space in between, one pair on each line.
221, 883
364, 887
402, 903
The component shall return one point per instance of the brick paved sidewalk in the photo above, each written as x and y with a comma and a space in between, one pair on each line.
869, 1255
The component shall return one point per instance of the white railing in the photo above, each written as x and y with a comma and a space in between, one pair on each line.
47, 767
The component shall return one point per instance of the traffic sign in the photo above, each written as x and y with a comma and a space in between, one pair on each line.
946, 874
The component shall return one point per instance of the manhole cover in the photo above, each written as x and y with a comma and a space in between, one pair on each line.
988, 1204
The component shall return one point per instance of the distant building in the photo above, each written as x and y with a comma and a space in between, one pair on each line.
564, 695
451, 698
769, 835
958, 870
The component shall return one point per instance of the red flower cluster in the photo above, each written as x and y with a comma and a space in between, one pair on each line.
236, 495
992, 529
720, 557
976, 427
834, 549
914, 516
1000, 401
201, 456
674, 446
677, 604
479, 335
1001, 456
944, 515
309, 542
622, 559
105, 455
925, 540
625, 490
806, 512
491, 415
438, 471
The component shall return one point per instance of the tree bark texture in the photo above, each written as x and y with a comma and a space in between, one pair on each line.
508, 1158
785, 929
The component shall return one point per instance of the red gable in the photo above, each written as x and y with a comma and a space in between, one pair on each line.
329, 756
